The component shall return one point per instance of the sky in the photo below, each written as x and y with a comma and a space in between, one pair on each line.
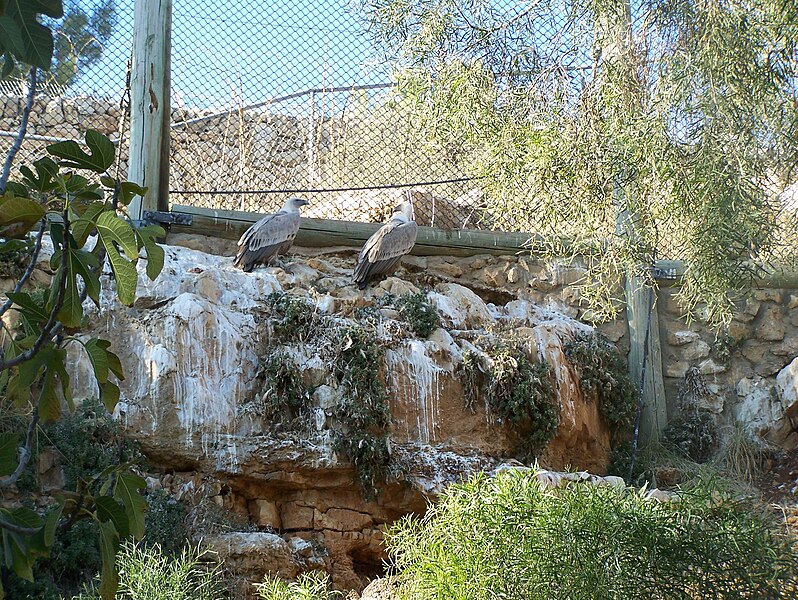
224, 53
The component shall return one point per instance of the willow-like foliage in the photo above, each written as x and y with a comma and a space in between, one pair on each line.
665, 129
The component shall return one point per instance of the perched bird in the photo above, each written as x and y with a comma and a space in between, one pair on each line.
382, 251
269, 237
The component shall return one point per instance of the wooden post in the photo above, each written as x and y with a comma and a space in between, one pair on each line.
150, 108
613, 39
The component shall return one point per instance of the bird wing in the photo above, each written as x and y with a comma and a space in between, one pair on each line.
272, 234
383, 250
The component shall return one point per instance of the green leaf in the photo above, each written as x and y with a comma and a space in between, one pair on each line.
71, 154
29, 308
126, 490
84, 264
109, 546
99, 359
50, 525
9, 443
19, 190
10, 39
115, 365
82, 227
71, 313
109, 395
54, 372
114, 230
45, 179
109, 509
37, 39
18, 215
155, 254
129, 190
8, 68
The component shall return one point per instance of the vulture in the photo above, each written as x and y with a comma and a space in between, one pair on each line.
269, 237
382, 251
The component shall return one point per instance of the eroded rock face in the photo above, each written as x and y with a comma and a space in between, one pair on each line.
192, 347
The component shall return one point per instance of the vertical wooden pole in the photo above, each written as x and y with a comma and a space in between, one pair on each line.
613, 39
150, 109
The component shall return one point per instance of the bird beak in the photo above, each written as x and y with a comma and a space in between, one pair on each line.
303, 202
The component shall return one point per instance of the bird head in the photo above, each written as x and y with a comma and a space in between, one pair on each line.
405, 209
295, 203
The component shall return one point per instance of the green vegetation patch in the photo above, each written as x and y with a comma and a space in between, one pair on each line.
506, 537
603, 371
420, 314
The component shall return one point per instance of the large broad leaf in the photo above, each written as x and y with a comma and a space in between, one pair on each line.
127, 491
10, 38
129, 190
98, 356
109, 546
108, 509
54, 373
45, 178
71, 154
82, 227
83, 264
155, 254
37, 39
9, 444
109, 395
18, 215
30, 309
112, 231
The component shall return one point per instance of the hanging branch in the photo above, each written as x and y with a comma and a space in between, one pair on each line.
23, 128
34, 257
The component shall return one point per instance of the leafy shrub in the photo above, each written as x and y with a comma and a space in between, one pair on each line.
89, 441
164, 524
363, 411
14, 257
693, 434
419, 314
313, 585
285, 395
508, 538
293, 318
147, 573
603, 370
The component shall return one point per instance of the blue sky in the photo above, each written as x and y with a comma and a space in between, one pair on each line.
222, 53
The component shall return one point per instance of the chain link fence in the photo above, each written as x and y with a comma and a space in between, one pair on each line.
271, 100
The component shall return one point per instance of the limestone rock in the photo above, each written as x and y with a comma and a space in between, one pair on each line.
460, 306
759, 407
785, 433
771, 327
254, 554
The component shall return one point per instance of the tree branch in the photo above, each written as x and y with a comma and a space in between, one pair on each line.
52, 327
23, 128
29, 271
26, 452
14, 528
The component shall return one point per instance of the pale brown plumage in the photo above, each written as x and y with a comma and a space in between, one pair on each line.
269, 237
383, 251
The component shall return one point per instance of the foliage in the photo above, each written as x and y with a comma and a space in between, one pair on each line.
312, 585
285, 394
520, 393
24, 38
676, 128
14, 257
419, 314
147, 573
742, 455
693, 434
79, 42
293, 318
725, 345
164, 524
470, 374
603, 371
32, 363
363, 411
507, 537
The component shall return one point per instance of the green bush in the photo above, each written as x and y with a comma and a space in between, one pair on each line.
508, 538
693, 434
164, 524
147, 573
418, 313
313, 585
603, 370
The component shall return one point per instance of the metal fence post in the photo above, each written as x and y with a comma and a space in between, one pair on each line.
150, 112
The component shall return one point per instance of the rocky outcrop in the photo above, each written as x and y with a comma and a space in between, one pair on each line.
193, 347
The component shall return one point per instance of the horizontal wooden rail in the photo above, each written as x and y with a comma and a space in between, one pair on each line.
321, 233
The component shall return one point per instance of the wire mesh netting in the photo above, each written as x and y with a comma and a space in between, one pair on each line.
84, 89
271, 100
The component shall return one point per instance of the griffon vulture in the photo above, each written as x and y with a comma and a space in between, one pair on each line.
269, 237
382, 251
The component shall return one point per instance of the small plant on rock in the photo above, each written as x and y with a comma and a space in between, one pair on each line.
293, 318
419, 313
363, 411
603, 371
313, 585
284, 394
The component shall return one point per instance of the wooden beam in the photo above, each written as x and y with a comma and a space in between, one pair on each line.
150, 111
319, 233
